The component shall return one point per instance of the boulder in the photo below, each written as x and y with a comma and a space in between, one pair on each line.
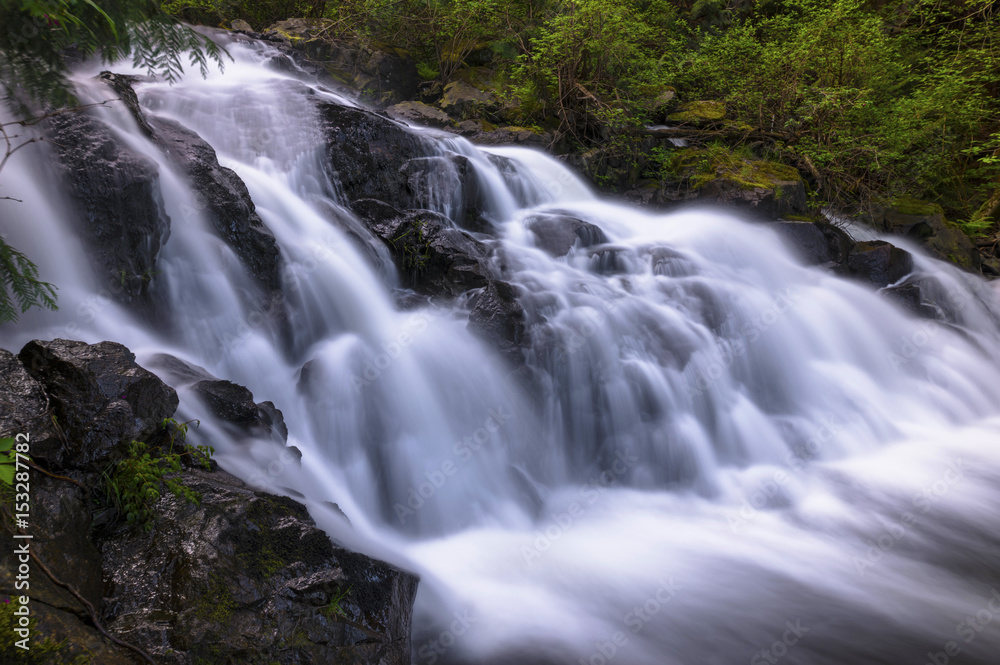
224, 200
247, 577
418, 113
239, 25
499, 318
558, 233
234, 404
432, 257
236, 576
122, 219
463, 101
450, 183
101, 398
878, 262
367, 151
806, 239
925, 223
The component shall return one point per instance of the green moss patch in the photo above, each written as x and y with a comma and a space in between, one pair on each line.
702, 111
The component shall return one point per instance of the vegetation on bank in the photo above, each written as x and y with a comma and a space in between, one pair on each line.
872, 100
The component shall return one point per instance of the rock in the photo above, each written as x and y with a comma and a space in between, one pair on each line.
910, 297
224, 200
100, 396
558, 233
122, 85
526, 136
806, 239
879, 262
432, 257
774, 192
925, 223
26, 410
463, 101
449, 182
367, 151
499, 318
247, 577
234, 404
418, 113
123, 221
239, 25
699, 112
238, 576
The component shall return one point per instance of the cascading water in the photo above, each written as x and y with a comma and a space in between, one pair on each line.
714, 454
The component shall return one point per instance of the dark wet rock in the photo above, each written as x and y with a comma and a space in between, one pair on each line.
100, 396
241, 25
432, 257
117, 192
123, 85
25, 409
778, 197
839, 242
224, 200
557, 233
239, 576
247, 577
451, 177
878, 262
806, 239
910, 297
418, 113
234, 404
367, 151
499, 318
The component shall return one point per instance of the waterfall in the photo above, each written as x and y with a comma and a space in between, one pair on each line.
713, 453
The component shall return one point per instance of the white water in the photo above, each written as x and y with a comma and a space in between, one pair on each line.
714, 439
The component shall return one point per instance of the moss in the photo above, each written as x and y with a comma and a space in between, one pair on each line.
700, 111
217, 604
44, 650
703, 165
910, 206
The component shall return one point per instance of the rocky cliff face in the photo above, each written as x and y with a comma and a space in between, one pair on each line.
235, 576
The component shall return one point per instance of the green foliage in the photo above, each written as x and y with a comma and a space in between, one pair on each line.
416, 250
37, 35
133, 483
44, 650
8, 459
20, 287
334, 607
258, 13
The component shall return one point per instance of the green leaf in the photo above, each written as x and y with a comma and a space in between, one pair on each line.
6, 444
7, 474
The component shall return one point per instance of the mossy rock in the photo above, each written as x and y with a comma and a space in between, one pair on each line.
700, 111
911, 206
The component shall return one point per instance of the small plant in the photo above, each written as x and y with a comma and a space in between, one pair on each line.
8, 460
334, 607
133, 483
417, 251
